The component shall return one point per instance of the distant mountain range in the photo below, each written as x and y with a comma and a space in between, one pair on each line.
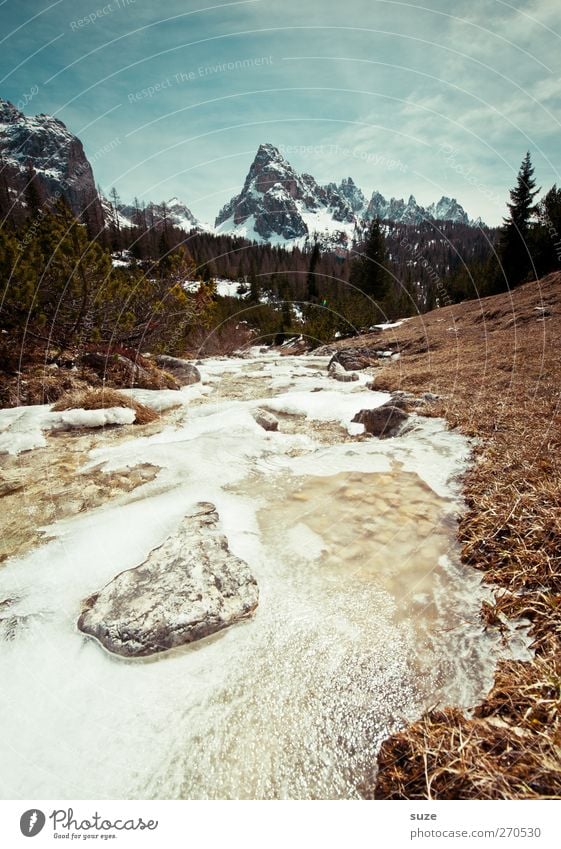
276, 204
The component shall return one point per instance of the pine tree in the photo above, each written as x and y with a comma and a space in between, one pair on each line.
370, 275
253, 285
514, 255
548, 236
33, 194
313, 292
369, 271
115, 225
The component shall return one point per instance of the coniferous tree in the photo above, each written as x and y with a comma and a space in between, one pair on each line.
313, 291
369, 270
369, 274
548, 236
253, 285
115, 224
514, 248
33, 194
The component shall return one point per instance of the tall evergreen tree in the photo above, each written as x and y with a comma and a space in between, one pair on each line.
312, 286
548, 237
514, 252
33, 194
369, 270
115, 225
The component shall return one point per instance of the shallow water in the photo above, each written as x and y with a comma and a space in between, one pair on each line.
366, 618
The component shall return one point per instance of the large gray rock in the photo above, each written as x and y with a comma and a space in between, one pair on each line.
183, 371
382, 421
354, 359
188, 588
337, 372
266, 420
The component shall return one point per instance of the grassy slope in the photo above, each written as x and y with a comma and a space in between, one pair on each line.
497, 364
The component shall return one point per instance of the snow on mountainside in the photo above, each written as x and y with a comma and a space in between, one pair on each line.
151, 214
44, 147
176, 213
278, 205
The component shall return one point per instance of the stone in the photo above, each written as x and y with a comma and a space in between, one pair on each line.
383, 421
10, 627
400, 403
116, 369
184, 372
354, 359
325, 351
188, 588
266, 420
337, 372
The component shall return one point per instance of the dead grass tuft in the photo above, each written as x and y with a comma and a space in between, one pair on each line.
98, 399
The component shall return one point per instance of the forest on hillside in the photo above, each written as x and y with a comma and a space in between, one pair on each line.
73, 283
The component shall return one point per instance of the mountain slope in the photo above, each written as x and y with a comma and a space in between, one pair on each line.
41, 148
176, 213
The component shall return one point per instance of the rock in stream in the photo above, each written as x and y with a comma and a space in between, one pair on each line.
189, 587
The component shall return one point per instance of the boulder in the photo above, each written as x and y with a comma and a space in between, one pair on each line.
117, 370
184, 372
403, 400
383, 421
267, 420
337, 372
430, 397
187, 588
354, 359
324, 351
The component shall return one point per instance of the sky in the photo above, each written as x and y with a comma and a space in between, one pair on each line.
172, 99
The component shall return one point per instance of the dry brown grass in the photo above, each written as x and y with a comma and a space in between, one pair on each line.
508, 750
98, 399
496, 362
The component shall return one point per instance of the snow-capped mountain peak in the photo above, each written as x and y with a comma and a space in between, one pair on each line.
279, 204
353, 195
447, 209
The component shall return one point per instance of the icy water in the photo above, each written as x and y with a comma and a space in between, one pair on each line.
366, 617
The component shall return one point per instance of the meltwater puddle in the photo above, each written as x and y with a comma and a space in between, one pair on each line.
366, 618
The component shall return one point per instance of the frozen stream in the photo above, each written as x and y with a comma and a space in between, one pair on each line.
366, 617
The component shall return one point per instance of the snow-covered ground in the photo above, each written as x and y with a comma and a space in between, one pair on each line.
292, 703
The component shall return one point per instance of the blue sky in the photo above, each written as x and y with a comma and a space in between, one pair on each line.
428, 98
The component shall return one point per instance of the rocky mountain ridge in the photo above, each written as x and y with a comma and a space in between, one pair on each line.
41, 153
40, 159
278, 204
